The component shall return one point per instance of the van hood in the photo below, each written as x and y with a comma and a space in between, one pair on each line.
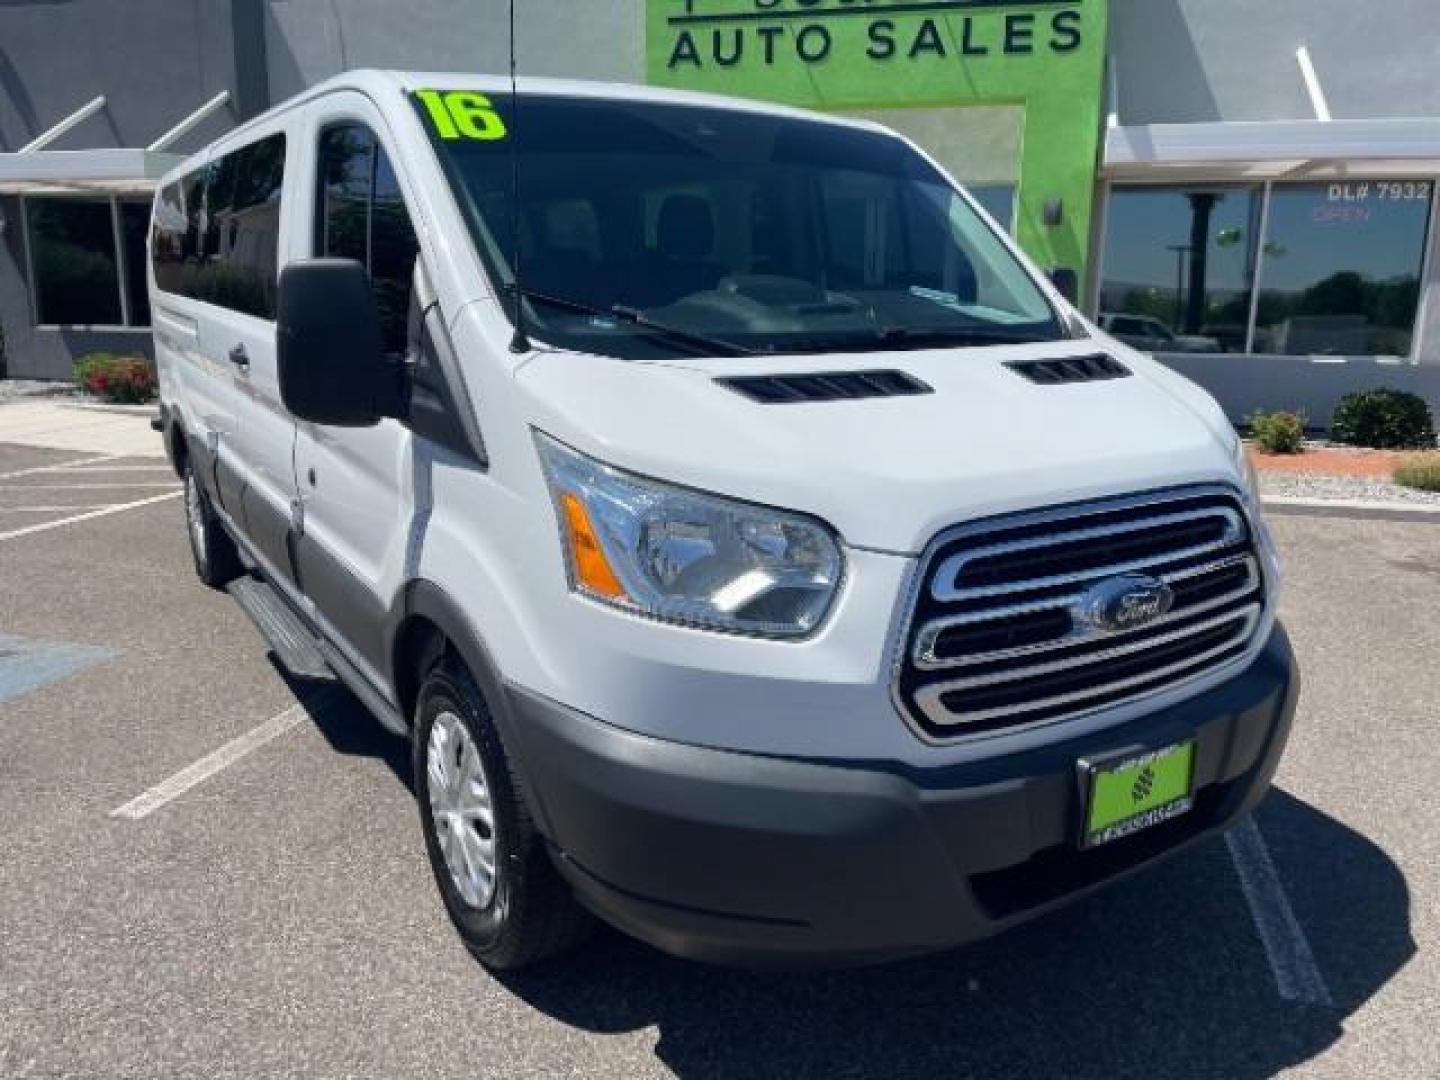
890, 473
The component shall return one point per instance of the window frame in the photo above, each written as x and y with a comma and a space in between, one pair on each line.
112, 202
1266, 189
318, 227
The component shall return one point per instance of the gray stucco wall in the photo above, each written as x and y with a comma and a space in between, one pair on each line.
579, 39
1184, 61
155, 61
1179, 60
1243, 384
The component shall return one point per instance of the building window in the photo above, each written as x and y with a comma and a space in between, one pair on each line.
1338, 269
72, 249
1179, 267
1342, 268
134, 225
88, 257
998, 200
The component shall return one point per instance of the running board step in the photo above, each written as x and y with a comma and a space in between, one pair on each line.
289, 638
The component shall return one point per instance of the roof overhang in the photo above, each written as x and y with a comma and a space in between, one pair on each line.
1273, 150
107, 171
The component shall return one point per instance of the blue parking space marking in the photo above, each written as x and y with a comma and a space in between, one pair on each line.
27, 664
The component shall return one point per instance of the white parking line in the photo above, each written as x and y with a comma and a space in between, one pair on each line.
44, 526
61, 467
111, 468
89, 487
1292, 961
168, 791
50, 509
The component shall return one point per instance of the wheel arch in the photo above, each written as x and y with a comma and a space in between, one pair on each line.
430, 624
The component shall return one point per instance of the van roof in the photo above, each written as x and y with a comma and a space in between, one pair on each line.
382, 84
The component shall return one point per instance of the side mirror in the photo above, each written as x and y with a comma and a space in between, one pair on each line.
331, 364
1066, 282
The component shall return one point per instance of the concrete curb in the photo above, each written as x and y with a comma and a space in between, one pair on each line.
105, 407
1355, 509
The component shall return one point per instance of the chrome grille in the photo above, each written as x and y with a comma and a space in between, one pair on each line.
993, 640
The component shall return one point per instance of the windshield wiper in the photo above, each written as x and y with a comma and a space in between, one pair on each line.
970, 335
702, 343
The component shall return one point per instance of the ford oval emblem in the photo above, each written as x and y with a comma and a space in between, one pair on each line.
1123, 603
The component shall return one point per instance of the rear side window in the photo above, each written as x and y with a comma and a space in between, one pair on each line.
216, 234
167, 237
361, 215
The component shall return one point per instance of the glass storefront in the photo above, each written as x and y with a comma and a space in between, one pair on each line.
1342, 268
1338, 269
88, 257
1179, 267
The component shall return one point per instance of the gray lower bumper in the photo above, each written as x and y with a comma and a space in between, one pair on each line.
738, 858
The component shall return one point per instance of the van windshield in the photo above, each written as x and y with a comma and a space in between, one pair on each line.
652, 229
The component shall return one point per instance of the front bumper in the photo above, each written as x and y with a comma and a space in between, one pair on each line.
737, 858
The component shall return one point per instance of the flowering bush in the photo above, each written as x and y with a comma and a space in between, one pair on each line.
1278, 432
123, 380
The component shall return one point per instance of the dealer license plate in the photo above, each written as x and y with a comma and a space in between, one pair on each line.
1125, 795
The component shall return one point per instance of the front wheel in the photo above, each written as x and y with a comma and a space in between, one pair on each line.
504, 896
217, 563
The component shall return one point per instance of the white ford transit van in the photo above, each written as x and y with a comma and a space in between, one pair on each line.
761, 555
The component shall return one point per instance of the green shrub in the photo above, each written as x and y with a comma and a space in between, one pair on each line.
1421, 471
1278, 432
1385, 420
91, 364
123, 380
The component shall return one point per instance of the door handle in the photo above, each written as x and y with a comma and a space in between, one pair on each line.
240, 358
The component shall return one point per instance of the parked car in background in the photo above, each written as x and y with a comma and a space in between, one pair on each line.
1152, 336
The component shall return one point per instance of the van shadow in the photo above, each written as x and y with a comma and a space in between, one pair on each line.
347, 725
1163, 974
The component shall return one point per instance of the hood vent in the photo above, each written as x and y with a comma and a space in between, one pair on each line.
1072, 369
825, 386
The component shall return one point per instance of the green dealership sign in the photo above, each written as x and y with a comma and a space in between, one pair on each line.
1045, 56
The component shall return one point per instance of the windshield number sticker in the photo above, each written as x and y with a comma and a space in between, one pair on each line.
462, 114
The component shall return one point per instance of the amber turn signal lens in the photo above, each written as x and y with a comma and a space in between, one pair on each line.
591, 567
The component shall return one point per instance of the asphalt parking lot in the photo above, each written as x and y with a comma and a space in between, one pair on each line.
272, 914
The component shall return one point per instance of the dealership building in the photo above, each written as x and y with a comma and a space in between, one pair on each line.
1246, 189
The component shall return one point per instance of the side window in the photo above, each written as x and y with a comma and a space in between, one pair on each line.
167, 238
361, 215
192, 242
250, 241
216, 235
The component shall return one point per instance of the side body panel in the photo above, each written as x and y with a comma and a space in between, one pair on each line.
363, 505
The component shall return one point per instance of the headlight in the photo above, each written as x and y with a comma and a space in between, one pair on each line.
1249, 478
1250, 486
686, 557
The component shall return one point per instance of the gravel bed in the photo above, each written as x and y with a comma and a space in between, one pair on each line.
1280, 485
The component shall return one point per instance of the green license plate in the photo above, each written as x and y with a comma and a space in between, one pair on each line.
1125, 795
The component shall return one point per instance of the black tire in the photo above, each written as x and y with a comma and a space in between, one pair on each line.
217, 562
531, 914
